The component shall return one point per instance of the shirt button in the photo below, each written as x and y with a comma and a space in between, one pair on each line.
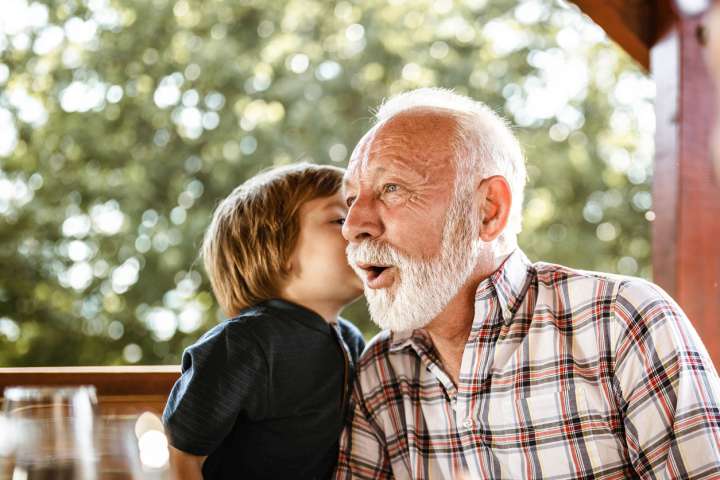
468, 423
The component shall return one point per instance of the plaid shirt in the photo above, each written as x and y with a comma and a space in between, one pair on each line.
566, 374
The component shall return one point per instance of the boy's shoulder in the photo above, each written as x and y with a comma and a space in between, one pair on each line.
238, 336
248, 319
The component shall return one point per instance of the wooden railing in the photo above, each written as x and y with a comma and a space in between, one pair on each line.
120, 390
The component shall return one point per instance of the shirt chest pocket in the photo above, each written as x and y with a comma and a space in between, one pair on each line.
547, 435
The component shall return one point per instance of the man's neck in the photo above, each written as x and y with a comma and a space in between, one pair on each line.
450, 330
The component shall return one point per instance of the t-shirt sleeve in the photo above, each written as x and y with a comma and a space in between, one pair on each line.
353, 338
224, 377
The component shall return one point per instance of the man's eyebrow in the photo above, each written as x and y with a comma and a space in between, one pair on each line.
374, 171
347, 182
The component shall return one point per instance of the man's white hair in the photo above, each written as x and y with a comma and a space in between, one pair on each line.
484, 146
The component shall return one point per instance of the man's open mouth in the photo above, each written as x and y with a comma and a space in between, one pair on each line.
378, 276
374, 271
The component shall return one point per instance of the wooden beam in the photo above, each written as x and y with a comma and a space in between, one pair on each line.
630, 23
121, 390
686, 232
665, 71
141, 380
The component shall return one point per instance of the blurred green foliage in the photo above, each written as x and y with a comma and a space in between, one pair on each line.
122, 123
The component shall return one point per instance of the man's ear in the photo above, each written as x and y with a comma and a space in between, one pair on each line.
495, 201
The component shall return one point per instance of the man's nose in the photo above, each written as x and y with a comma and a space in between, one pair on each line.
362, 221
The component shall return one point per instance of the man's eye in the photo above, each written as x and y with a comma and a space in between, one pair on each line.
349, 201
391, 188
339, 221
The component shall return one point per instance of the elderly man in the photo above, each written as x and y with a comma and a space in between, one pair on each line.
492, 366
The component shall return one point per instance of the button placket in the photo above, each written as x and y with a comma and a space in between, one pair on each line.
464, 417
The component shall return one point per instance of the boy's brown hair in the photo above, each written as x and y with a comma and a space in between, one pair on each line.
247, 247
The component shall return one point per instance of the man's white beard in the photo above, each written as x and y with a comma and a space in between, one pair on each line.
423, 287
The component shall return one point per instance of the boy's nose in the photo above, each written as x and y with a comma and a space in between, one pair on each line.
362, 221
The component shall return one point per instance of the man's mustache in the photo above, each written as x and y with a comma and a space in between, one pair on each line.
373, 252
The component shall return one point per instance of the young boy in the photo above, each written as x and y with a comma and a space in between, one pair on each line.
264, 395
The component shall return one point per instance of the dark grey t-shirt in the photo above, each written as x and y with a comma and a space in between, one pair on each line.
262, 394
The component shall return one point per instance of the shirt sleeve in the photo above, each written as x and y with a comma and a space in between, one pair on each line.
667, 386
362, 447
224, 376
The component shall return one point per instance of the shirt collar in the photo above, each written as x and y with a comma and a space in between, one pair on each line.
407, 338
508, 284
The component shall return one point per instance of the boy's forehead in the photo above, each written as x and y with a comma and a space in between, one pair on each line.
325, 203
334, 201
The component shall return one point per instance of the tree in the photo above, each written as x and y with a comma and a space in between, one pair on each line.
122, 123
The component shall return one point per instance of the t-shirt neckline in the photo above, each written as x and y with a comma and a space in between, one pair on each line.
300, 313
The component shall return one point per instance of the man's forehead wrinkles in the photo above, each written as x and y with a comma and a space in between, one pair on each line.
419, 155
360, 156
416, 163
411, 141
403, 143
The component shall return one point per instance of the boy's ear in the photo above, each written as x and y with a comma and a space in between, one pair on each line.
291, 265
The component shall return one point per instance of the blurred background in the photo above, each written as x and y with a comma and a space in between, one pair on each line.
123, 123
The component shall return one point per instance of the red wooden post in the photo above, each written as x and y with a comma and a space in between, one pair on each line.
686, 232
